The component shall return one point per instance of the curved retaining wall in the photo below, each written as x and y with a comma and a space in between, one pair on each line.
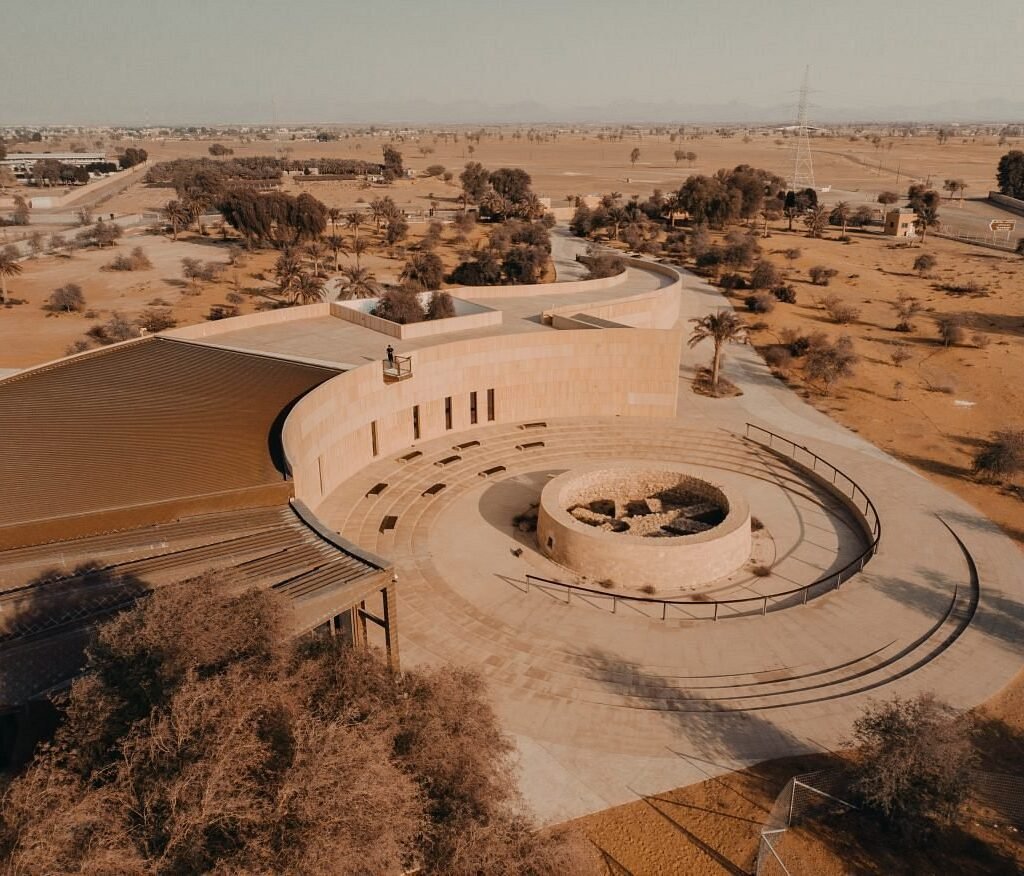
483, 292
658, 308
328, 436
631, 561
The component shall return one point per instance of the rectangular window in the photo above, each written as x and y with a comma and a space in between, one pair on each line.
472, 408
490, 405
448, 412
415, 422
373, 438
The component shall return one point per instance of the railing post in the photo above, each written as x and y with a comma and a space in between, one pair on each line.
568, 595
764, 607
716, 612
615, 603
664, 608
805, 594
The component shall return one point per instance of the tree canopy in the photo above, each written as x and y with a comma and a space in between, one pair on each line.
273, 217
203, 739
1010, 174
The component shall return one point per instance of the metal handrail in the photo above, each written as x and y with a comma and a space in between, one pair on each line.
844, 574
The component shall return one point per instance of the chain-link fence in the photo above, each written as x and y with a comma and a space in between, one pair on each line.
994, 797
806, 795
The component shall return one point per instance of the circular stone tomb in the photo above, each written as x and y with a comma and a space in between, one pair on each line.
641, 526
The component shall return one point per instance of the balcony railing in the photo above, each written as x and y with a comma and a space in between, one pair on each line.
397, 368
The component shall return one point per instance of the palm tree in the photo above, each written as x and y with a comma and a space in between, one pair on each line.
841, 211
355, 220
178, 215
359, 246
816, 218
316, 251
9, 267
334, 214
722, 328
358, 283
307, 289
287, 270
618, 217
927, 217
337, 245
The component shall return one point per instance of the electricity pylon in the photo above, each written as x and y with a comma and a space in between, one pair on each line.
803, 168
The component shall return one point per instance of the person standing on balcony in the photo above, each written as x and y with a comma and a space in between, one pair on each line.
391, 357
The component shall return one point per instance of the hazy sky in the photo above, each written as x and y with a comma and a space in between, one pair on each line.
228, 61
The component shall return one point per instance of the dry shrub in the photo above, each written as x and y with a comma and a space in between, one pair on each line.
761, 571
156, 319
1002, 456
829, 362
839, 311
785, 294
763, 302
778, 358
951, 329
526, 521
821, 275
900, 354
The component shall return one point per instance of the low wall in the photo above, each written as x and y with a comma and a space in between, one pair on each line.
1015, 205
328, 436
474, 317
98, 188
267, 317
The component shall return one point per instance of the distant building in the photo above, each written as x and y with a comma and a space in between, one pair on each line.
900, 223
21, 163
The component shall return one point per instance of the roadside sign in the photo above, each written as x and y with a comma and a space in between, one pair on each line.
1002, 225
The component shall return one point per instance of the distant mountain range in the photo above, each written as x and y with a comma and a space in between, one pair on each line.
302, 109
623, 111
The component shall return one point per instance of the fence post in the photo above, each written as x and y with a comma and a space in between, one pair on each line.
764, 607
664, 608
716, 612
615, 602
792, 800
568, 595
805, 594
